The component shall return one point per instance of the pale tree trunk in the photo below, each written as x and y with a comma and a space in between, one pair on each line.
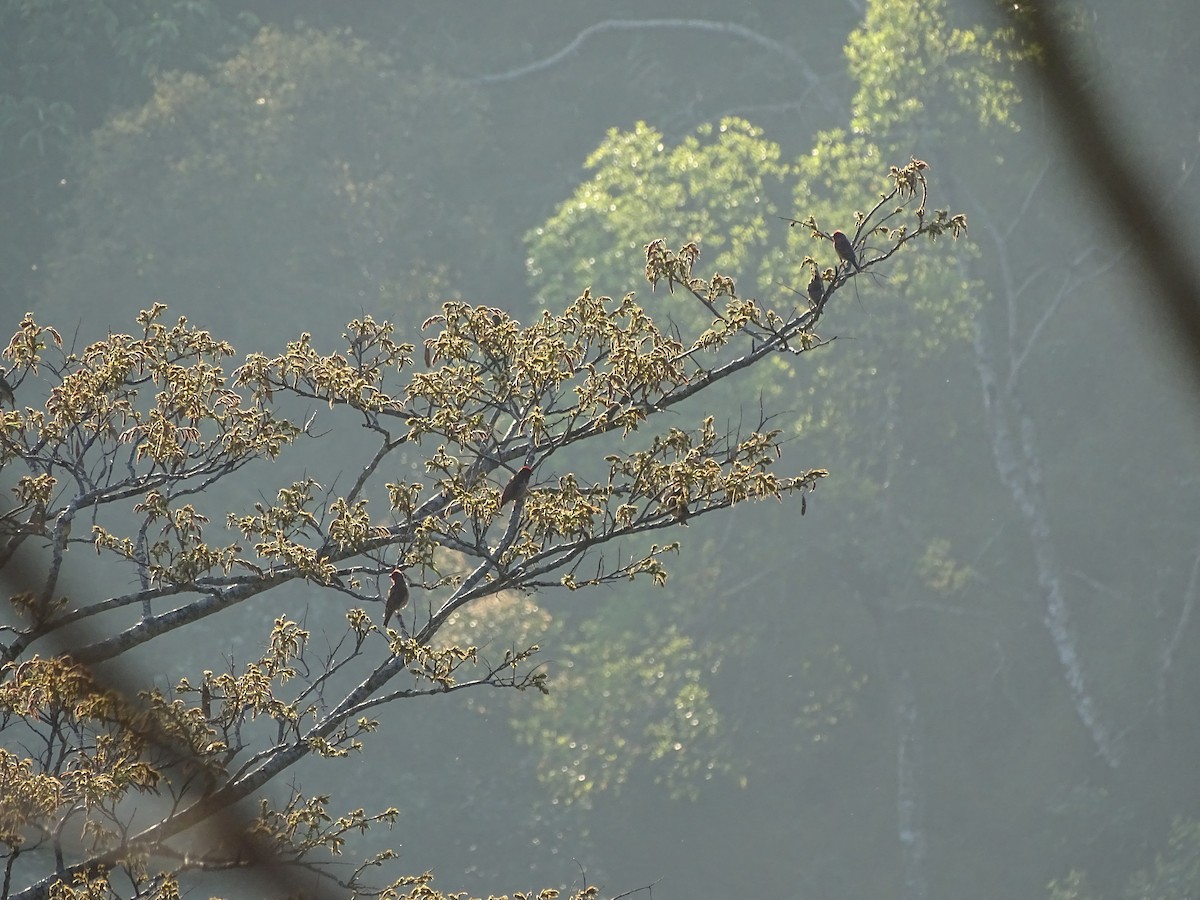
909, 820
1171, 643
1019, 465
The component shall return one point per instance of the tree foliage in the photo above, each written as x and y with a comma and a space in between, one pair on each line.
136, 431
718, 188
851, 406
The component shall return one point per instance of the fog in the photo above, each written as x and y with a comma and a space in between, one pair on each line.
968, 670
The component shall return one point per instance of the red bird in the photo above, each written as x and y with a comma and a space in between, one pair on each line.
517, 487
845, 250
816, 288
397, 597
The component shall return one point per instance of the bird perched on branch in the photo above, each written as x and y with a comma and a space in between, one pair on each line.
517, 488
6, 391
681, 511
845, 249
816, 288
397, 597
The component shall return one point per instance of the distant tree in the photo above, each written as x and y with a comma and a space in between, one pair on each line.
1175, 874
722, 187
890, 595
729, 188
119, 447
64, 67
308, 174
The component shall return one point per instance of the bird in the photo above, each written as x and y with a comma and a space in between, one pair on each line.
816, 288
397, 597
681, 511
6, 391
517, 487
845, 249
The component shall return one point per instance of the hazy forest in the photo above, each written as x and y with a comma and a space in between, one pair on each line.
661, 450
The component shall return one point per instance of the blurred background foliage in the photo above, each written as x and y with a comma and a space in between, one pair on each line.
867, 701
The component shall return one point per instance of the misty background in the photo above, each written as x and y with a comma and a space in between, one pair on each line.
968, 671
